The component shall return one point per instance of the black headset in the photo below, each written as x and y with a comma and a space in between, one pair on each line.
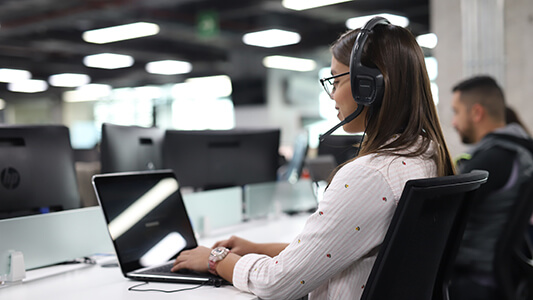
367, 82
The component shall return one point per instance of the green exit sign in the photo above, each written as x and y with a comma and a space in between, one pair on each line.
207, 24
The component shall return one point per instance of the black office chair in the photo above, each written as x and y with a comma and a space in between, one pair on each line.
513, 257
416, 257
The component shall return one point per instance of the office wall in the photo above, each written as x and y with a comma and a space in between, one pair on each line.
447, 21
38, 110
519, 57
78, 112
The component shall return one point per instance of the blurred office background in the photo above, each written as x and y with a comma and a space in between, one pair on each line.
197, 65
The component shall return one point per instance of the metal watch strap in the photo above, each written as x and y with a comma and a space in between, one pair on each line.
213, 260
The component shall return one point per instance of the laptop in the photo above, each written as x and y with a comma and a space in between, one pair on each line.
148, 224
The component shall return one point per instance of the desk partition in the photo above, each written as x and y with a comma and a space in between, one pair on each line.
55, 237
275, 198
48, 239
213, 209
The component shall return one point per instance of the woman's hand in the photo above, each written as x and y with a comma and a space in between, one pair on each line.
196, 259
238, 245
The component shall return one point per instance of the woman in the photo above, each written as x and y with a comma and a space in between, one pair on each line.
333, 255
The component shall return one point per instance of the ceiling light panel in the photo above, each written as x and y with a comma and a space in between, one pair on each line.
359, 22
308, 4
289, 63
120, 33
271, 38
28, 86
69, 80
168, 67
108, 61
11, 75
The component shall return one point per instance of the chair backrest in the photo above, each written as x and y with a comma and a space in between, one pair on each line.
320, 167
342, 147
414, 261
513, 265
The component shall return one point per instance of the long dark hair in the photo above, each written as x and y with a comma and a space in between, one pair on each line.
407, 108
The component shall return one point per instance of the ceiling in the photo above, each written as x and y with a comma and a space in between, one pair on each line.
44, 36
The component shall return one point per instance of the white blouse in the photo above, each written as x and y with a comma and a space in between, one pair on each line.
333, 256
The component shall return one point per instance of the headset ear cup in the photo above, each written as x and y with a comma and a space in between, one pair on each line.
367, 82
368, 86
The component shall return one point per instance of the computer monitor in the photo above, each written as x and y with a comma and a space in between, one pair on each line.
342, 147
221, 158
130, 148
37, 173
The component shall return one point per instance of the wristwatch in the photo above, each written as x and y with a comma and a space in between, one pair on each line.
217, 254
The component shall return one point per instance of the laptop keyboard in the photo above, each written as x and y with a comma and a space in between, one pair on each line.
166, 269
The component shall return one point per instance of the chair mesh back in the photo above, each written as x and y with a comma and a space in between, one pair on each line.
511, 254
423, 237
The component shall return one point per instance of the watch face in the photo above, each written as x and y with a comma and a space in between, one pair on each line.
218, 251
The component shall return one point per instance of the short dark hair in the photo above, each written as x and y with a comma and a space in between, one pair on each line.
485, 91
477, 82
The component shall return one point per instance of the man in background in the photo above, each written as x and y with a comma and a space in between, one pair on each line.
506, 151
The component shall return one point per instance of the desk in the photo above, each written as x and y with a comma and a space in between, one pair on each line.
96, 282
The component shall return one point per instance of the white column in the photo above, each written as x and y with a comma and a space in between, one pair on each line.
483, 38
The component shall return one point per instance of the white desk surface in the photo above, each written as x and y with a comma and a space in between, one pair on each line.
96, 282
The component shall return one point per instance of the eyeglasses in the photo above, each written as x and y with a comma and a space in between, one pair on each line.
329, 83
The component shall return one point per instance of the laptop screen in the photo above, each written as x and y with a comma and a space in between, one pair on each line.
145, 215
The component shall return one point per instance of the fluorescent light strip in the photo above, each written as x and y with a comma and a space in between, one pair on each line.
12, 75
271, 38
28, 86
168, 67
359, 22
428, 40
108, 61
289, 63
69, 80
120, 33
307, 4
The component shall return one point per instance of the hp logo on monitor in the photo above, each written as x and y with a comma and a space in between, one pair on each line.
10, 178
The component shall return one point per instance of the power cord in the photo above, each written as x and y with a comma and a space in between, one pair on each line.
135, 288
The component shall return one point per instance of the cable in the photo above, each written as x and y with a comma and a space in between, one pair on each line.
134, 288
82, 260
360, 143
